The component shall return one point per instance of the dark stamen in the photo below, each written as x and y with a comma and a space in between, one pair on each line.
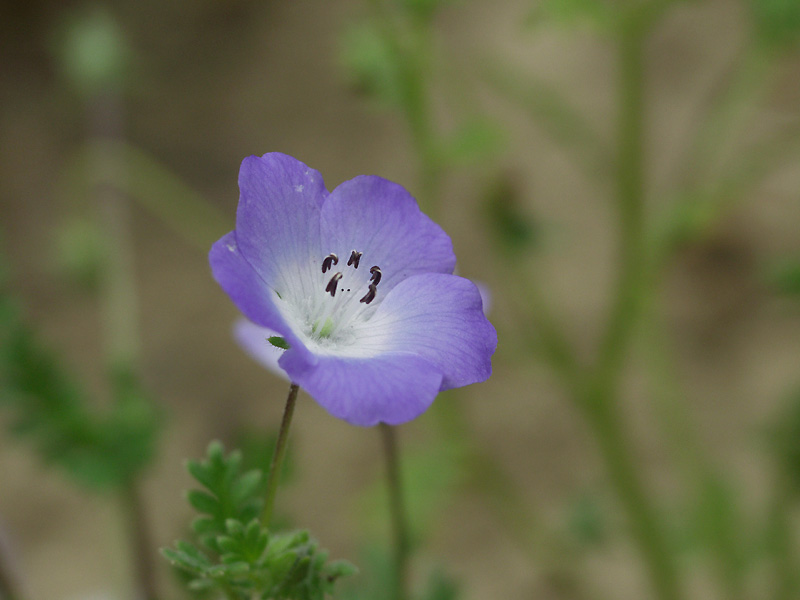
376, 275
370, 295
329, 260
331, 287
355, 258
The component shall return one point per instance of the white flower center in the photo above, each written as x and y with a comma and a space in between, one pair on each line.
330, 304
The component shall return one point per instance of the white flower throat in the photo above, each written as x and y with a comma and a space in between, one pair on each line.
339, 302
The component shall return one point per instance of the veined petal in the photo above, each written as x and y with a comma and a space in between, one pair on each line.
440, 318
248, 290
382, 220
392, 388
277, 222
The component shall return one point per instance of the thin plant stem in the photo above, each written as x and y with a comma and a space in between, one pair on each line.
141, 543
554, 115
618, 454
397, 508
599, 397
9, 586
781, 541
739, 90
7, 589
120, 306
410, 45
702, 477
151, 185
273, 479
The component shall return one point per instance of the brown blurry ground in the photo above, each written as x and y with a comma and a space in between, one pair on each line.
216, 81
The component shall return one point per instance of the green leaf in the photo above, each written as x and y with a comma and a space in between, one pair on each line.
246, 487
278, 342
423, 10
475, 140
81, 253
93, 52
514, 232
441, 587
203, 502
777, 22
370, 64
587, 519
569, 13
98, 449
786, 439
246, 560
784, 276
204, 525
200, 473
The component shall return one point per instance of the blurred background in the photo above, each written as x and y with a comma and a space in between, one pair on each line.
503, 119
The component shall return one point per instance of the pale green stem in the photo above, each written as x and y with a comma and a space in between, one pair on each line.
398, 512
120, 308
273, 479
600, 397
152, 186
411, 53
781, 541
141, 544
9, 586
700, 475
727, 110
555, 116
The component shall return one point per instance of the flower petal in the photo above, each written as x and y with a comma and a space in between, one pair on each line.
392, 388
255, 341
277, 222
248, 290
440, 317
381, 219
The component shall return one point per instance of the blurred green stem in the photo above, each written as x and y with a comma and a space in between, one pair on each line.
398, 512
702, 478
141, 543
555, 116
274, 477
153, 186
734, 94
9, 587
118, 293
781, 540
409, 41
119, 299
600, 396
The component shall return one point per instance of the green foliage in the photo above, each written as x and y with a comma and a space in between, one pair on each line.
423, 9
239, 556
785, 277
587, 520
597, 13
81, 253
777, 22
441, 587
230, 495
370, 64
93, 52
379, 576
475, 140
786, 440
513, 231
99, 449
716, 524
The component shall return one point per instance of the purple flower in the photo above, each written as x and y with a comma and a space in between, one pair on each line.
359, 284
